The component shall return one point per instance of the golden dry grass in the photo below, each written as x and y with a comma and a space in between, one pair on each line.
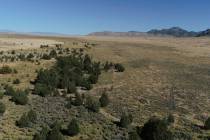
153, 65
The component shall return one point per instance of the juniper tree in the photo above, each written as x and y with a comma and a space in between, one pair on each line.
73, 127
104, 100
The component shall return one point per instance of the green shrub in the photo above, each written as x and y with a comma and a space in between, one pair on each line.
46, 57
5, 70
71, 88
53, 54
23, 121
9, 91
20, 97
104, 100
42, 135
155, 129
13, 52
30, 56
125, 120
1, 95
2, 108
73, 127
50, 78
87, 63
44, 46
207, 124
15, 71
92, 104
86, 84
170, 119
93, 79
119, 68
32, 115
27, 119
69, 103
78, 100
16, 81
42, 90
55, 133
134, 136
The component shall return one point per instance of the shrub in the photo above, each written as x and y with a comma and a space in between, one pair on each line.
5, 70
69, 103
9, 91
21, 57
16, 81
20, 97
2, 108
134, 136
1, 95
107, 66
125, 120
73, 128
23, 121
104, 100
53, 54
42, 90
32, 115
78, 100
55, 133
44, 46
119, 68
13, 52
42, 135
207, 124
155, 129
46, 57
170, 119
87, 63
93, 79
15, 71
30, 56
60, 52
86, 84
71, 88
27, 119
92, 104
47, 77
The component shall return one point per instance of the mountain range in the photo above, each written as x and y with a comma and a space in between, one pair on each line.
174, 31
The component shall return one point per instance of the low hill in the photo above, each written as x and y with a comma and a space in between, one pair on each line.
109, 33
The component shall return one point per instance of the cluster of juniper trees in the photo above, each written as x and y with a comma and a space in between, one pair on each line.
70, 72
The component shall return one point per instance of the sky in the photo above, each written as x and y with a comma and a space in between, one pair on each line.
85, 16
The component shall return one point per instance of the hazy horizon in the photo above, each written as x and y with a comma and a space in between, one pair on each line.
82, 17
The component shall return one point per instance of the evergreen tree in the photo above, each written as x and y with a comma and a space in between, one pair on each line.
92, 104
73, 127
155, 129
126, 119
104, 100
78, 100
2, 108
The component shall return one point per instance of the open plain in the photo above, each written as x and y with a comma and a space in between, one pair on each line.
163, 75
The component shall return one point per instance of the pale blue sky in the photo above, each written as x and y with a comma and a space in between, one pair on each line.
85, 16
